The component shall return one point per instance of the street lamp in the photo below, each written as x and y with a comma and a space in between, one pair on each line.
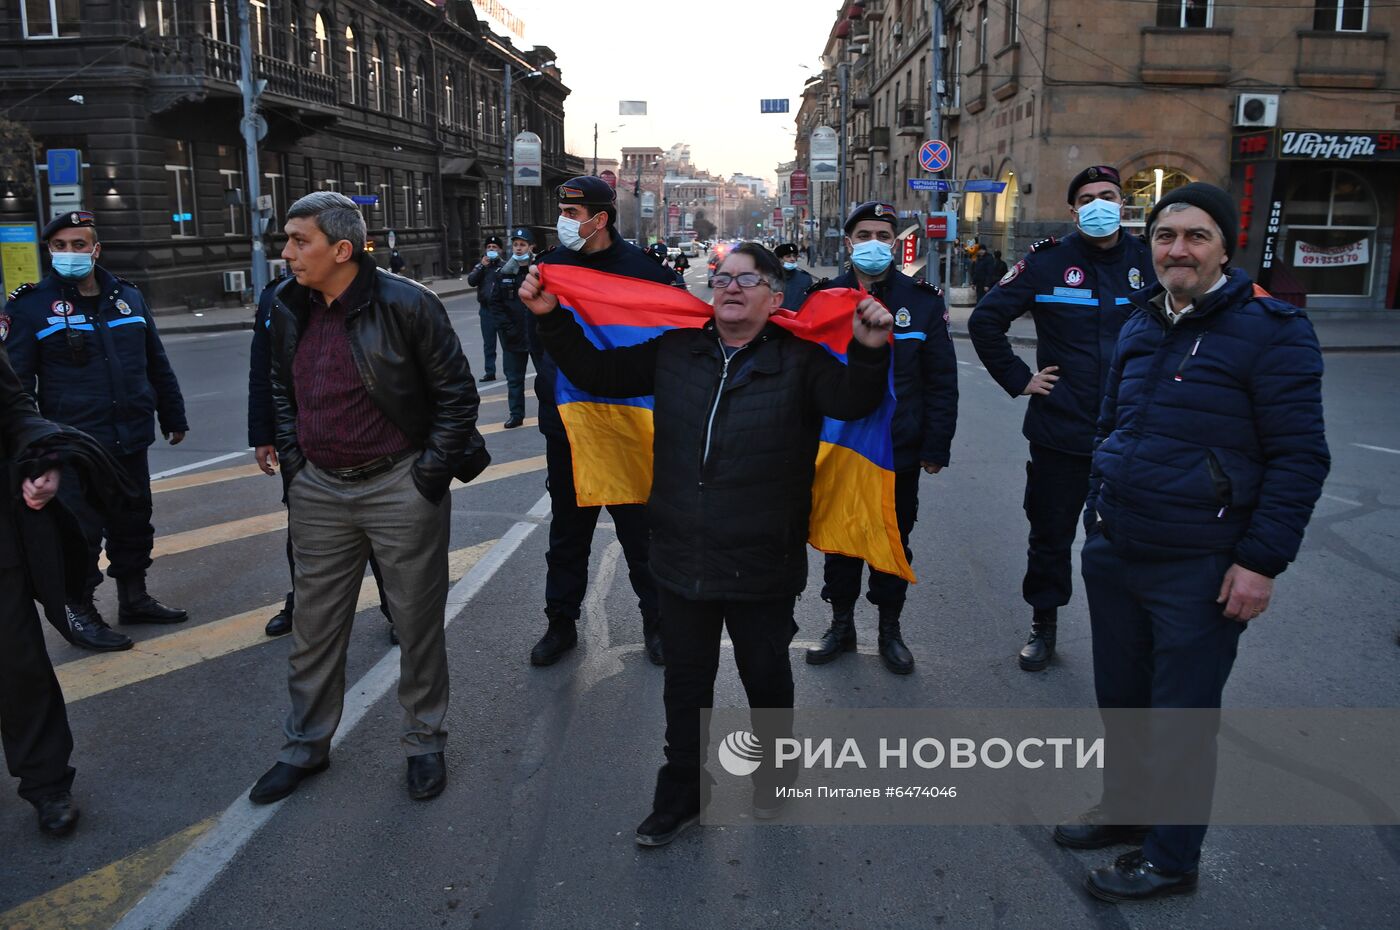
510, 140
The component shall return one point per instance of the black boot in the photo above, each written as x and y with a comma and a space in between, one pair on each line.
893, 652
651, 635
561, 636
1039, 649
136, 606
88, 630
840, 636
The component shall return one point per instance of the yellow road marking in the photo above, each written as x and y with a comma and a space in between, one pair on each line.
101, 898
218, 475
107, 671
505, 470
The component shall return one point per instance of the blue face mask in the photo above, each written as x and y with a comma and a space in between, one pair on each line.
75, 266
790, 266
492, 254
1100, 218
872, 256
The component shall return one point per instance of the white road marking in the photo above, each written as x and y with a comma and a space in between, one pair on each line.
196, 870
193, 465
1362, 445
1341, 500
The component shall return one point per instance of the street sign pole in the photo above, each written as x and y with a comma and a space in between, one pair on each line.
250, 86
935, 123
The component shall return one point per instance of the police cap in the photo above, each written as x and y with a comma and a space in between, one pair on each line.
76, 219
1092, 175
494, 240
520, 232
658, 248
872, 210
787, 248
586, 190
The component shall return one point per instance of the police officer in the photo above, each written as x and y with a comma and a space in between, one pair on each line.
588, 237
483, 278
92, 343
926, 413
1076, 289
512, 320
796, 281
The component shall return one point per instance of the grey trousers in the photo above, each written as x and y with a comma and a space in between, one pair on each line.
334, 527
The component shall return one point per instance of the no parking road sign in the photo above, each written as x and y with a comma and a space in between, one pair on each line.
934, 155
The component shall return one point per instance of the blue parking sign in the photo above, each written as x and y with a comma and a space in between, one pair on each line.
65, 166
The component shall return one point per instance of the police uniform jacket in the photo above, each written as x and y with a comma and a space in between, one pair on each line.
1078, 297
262, 415
735, 445
796, 284
621, 258
107, 375
1211, 436
483, 278
925, 367
511, 315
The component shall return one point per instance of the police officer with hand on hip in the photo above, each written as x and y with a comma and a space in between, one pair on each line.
90, 340
1076, 289
926, 413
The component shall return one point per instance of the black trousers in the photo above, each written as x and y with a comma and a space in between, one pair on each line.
489, 338
1056, 485
1160, 641
761, 632
127, 531
842, 573
571, 540
33, 721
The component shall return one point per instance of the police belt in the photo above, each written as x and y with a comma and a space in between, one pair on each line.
370, 469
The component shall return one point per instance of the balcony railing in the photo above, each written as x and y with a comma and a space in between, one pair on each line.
201, 58
909, 116
880, 139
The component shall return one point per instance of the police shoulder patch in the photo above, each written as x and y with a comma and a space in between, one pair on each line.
21, 290
1049, 242
4, 327
1013, 272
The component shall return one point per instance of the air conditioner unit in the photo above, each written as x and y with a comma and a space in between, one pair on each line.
1256, 110
882, 168
235, 282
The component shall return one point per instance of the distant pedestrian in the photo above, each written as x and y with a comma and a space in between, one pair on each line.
396, 262
376, 411
483, 278
983, 271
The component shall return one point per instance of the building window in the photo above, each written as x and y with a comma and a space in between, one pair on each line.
405, 193
220, 26
376, 76
257, 26
1329, 233
448, 112
157, 16
386, 198
275, 185
418, 99
50, 19
1144, 189
231, 172
422, 202
1012, 33
400, 89
179, 187
982, 35
1185, 14
352, 54
1341, 15
321, 49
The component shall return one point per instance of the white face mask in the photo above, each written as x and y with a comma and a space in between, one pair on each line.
568, 233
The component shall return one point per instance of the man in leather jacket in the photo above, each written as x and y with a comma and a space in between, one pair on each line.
376, 411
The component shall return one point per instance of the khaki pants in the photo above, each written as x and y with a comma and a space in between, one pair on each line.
334, 526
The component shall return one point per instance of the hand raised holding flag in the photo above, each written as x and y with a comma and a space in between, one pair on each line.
533, 295
873, 323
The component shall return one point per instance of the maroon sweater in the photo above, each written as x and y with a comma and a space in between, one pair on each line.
338, 425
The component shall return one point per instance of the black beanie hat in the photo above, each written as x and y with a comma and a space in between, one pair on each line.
1209, 198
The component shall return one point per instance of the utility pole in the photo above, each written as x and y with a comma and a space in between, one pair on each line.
510, 158
842, 76
935, 126
251, 123
595, 150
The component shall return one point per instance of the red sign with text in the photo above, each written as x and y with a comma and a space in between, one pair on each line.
911, 249
936, 227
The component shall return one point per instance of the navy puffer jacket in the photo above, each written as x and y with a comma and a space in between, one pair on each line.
1211, 436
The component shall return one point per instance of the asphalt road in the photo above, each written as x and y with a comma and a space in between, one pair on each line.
552, 769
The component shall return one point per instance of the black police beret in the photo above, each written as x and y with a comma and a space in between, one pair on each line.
873, 210
520, 232
1209, 198
76, 219
587, 191
1091, 175
494, 240
787, 248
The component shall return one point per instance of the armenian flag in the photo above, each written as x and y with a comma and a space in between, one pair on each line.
853, 509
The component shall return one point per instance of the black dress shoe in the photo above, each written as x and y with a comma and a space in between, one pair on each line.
282, 779
513, 422
663, 827
561, 636
279, 625
427, 776
1133, 878
1090, 832
485, 378
58, 815
90, 631
146, 609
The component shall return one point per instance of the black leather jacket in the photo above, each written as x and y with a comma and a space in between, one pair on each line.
410, 361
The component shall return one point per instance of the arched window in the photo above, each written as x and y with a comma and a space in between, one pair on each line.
352, 55
376, 75
321, 47
1328, 238
418, 102
1008, 212
1144, 189
400, 89
447, 113
480, 95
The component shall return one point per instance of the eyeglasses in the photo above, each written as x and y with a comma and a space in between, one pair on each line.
746, 279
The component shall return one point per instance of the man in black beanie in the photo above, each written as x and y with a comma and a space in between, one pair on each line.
1209, 458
